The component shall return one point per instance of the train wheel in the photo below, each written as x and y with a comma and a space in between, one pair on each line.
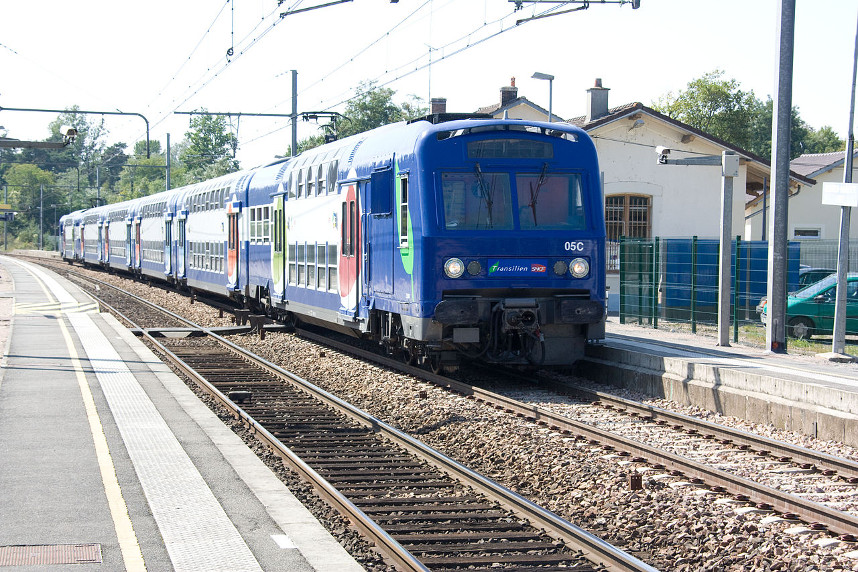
434, 361
289, 321
408, 355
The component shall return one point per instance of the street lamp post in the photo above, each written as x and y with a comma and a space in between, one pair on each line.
550, 78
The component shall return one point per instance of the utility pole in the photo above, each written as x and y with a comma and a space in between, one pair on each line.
294, 113
729, 162
838, 342
781, 124
729, 170
168, 162
41, 212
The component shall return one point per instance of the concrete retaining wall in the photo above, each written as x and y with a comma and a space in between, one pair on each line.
813, 409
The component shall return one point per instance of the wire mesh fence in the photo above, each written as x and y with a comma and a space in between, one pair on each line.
675, 280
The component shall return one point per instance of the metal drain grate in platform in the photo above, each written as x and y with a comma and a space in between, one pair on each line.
44, 554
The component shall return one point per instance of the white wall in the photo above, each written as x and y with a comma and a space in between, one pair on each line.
806, 211
686, 200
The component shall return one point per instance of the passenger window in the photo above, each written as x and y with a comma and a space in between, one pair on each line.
310, 181
403, 211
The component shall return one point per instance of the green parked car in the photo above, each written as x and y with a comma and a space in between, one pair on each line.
811, 310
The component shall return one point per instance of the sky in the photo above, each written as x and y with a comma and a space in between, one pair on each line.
159, 57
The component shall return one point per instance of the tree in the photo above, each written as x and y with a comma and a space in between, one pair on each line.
113, 159
824, 141
714, 105
88, 146
28, 184
370, 108
373, 107
719, 107
211, 148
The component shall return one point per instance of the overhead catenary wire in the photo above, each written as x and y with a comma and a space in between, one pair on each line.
412, 62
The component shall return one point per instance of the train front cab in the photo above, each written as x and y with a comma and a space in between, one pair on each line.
512, 259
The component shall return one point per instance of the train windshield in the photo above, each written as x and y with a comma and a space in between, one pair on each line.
487, 200
550, 202
477, 200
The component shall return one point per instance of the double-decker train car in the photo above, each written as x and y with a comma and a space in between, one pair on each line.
438, 238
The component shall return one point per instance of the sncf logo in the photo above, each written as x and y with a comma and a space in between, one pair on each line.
538, 268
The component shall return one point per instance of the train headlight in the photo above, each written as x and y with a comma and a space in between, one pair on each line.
560, 268
454, 267
580, 268
474, 267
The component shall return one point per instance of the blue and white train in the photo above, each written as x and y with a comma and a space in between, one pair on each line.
438, 237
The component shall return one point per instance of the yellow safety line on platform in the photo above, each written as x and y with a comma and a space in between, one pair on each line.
128, 544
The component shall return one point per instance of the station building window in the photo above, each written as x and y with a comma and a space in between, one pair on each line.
629, 216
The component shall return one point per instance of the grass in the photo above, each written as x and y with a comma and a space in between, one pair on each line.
754, 335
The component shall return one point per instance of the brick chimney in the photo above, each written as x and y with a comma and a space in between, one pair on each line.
508, 93
597, 101
438, 105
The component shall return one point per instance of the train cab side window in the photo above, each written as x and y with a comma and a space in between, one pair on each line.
320, 182
310, 182
403, 212
300, 184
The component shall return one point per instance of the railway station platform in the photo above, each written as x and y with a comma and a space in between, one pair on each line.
109, 462
802, 393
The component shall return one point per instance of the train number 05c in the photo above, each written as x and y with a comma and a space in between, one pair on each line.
574, 246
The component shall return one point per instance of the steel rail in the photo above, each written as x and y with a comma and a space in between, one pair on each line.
593, 548
386, 544
836, 521
823, 461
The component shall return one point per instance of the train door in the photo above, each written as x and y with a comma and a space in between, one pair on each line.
349, 266
129, 250
99, 241
106, 238
168, 243
232, 244
278, 250
138, 245
379, 245
180, 246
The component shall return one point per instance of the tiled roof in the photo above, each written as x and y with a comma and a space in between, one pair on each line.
814, 164
497, 108
582, 120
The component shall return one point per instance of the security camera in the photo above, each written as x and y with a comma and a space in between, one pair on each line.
68, 132
660, 150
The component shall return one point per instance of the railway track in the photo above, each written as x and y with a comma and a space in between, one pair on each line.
734, 490
745, 490
420, 508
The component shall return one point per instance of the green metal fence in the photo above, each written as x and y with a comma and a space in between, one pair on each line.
676, 279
